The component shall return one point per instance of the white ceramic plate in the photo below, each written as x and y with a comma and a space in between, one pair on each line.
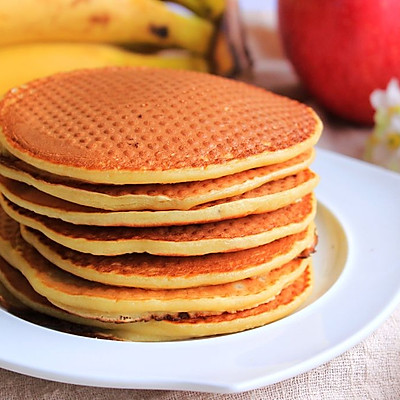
357, 286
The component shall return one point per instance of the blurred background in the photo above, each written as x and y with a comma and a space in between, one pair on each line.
340, 56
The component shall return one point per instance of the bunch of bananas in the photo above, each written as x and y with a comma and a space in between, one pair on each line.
39, 38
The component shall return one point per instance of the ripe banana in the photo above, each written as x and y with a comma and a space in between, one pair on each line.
208, 9
229, 55
106, 21
22, 63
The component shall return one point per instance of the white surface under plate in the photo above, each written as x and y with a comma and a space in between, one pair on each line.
357, 286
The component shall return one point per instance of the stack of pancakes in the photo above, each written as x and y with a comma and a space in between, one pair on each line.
154, 204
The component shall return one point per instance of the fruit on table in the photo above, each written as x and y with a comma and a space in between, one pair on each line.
39, 38
25, 62
342, 50
125, 21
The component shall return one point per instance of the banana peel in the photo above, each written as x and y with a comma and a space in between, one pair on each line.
103, 21
223, 52
22, 63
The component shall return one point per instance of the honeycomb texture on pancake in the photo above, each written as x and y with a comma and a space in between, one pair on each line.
145, 119
273, 187
150, 271
179, 196
268, 197
253, 224
146, 204
180, 190
61, 287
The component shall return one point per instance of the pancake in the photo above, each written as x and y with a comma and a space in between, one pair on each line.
290, 299
152, 272
284, 303
121, 304
195, 302
224, 236
18, 298
144, 125
20, 294
178, 196
146, 204
8, 301
268, 197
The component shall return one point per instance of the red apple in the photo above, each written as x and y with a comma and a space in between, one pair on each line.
342, 50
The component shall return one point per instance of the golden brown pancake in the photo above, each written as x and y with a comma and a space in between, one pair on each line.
152, 272
18, 298
144, 125
291, 298
201, 301
121, 304
198, 239
21, 294
178, 196
24, 298
268, 197
148, 204
8, 301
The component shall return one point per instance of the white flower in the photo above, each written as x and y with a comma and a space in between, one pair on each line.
383, 146
385, 99
394, 125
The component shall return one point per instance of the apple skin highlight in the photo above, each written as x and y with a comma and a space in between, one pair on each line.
342, 50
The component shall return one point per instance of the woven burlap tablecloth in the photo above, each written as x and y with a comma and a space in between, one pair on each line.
370, 370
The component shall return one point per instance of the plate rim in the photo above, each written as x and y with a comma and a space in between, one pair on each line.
324, 158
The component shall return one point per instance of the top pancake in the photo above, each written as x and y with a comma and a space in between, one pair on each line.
144, 125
